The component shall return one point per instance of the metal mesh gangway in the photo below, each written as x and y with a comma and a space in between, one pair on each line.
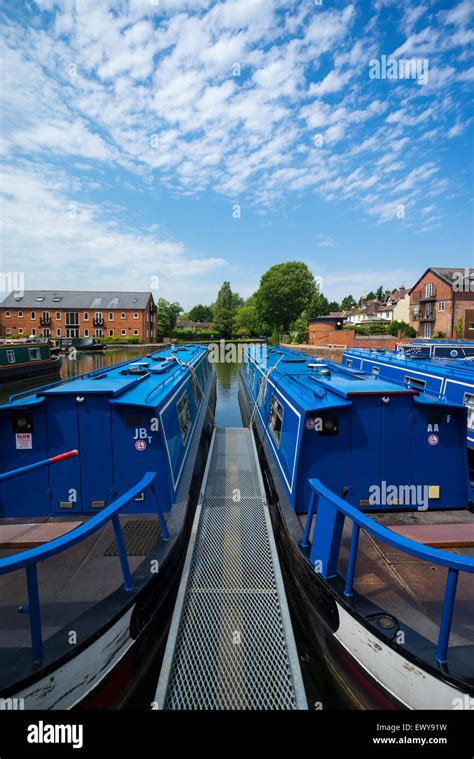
231, 643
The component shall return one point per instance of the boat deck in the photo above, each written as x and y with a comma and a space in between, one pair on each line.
71, 582
408, 588
231, 644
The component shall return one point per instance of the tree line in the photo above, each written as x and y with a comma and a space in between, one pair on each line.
287, 297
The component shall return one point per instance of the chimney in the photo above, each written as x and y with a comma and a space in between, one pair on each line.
402, 291
363, 301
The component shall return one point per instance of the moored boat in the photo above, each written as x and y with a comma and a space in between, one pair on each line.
427, 371
66, 344
369, 494
99, 483
25, 361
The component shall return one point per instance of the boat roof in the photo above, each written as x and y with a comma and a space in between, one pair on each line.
442, 366
313, 382
142, 381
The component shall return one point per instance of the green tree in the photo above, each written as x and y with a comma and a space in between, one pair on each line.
223, 311
405, 329
347, 303
458, 328
201, 314
370, 296
380, 293
166, 316
285, 291
247, 320
334, 305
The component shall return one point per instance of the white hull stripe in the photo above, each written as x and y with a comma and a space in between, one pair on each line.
410, 685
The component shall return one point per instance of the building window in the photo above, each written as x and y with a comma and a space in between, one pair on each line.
441, 305
35, 354
45, 331
7, 313
135, 332
275, 419
135, 315
33, 315
111, 316
85, 316
11, 357
427, 330
471, 325
122, 315
20, 330
58, 316
111, 333
99, 333
20, 314
58, 333
428, 290
33, 332
123, 332
86, 333
8, 331
72, 318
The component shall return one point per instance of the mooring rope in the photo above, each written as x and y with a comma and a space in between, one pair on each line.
195, 379
263, 386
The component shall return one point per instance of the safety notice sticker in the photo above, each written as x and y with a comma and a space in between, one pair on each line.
24, 440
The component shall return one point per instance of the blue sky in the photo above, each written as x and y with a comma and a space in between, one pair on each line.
131, 131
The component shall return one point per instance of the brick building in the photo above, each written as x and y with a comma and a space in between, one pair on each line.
439, 299
67, 313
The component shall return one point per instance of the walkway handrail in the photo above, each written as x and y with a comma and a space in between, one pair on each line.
28, 559
38, 465
325, 546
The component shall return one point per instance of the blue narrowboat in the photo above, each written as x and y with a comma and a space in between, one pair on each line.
445, 378
100, 476
369, 495
450, 349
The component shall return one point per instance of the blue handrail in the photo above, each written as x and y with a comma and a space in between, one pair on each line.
28, 559
326, 543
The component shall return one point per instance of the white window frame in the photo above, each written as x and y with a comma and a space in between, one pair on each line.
33, 316
135, 314
11, 358
34, 354
20, 314
441, 305
123, 332
85, 316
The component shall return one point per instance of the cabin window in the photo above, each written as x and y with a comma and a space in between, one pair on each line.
376, 371
275, 419
469, 403
441, 305
35, 354
416, 384
348, 362
184, 415
20, 314
11, 357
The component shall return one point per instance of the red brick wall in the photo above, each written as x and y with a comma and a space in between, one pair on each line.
322, 334
129, 323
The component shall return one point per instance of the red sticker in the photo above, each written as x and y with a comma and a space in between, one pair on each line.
433, 439
140, 445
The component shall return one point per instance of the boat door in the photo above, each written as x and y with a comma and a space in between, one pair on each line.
83, 484
381, 446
